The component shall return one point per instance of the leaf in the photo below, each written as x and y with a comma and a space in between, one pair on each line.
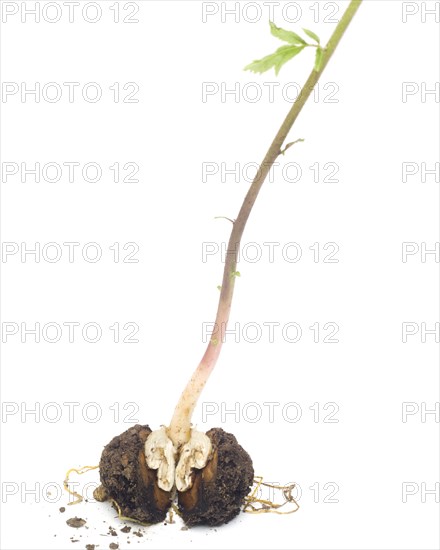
318, 59
276, 60
312, 35
286, 36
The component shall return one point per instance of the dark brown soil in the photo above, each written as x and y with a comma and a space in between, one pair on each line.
219, 490
127, 479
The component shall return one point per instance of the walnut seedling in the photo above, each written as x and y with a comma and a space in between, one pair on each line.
142, 470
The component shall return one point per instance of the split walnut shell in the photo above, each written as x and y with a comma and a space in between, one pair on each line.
219, 489
217, 493
127, 479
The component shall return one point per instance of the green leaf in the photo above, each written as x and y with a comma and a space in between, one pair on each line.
286, 36
318, 59
276, 60
312, 35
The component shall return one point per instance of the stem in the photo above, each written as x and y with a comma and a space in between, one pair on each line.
180, 427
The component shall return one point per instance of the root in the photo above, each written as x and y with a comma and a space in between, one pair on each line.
125, 518
173, 510
254, 505
79, 471
100, 496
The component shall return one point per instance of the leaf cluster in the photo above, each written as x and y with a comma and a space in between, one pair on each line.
295, 45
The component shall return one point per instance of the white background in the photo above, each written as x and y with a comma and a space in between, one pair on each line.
370, 453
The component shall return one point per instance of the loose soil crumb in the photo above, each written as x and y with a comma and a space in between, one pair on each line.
126, 529
90, 547
100, 494
138, 533
112, 532
62, 509
114, 546
76, 522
